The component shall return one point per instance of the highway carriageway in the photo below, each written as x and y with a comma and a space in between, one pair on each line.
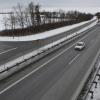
13, 50
55, 77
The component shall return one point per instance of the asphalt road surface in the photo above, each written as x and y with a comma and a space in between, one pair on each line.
55, 77
12, 50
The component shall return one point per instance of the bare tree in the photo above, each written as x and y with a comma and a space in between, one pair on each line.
31, 8
27, 18
12, 21
5, 22
43, 17
37, 12
49, 16
20, 15
62, 15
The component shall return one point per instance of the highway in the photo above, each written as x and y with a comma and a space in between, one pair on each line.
55, 77
12, 50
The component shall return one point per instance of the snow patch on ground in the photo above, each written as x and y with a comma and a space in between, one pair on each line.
44, 48
96, 91
44, 34
96, 95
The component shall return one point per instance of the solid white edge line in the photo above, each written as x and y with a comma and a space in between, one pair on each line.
7, 88
7, 51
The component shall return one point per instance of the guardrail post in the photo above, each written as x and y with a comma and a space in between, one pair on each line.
99, 76
23, 57
95, 84
52, 43
91, 94
4, 66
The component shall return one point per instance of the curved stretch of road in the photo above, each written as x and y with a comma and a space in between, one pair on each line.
10, 50
55, 77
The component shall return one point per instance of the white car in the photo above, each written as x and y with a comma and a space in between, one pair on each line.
80, 46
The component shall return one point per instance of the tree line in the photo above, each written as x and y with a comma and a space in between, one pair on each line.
31, 19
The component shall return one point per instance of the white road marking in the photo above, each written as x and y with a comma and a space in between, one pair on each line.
7, 51
18, 81
74, 59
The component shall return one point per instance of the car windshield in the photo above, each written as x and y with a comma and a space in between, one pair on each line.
79, 44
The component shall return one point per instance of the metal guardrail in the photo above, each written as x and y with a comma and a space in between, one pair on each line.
21, 59
91, 79
77, 95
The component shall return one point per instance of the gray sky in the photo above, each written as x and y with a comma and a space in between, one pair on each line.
4, 4
71, 3
53, 3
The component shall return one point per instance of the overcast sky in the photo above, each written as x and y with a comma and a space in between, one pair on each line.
95, 4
